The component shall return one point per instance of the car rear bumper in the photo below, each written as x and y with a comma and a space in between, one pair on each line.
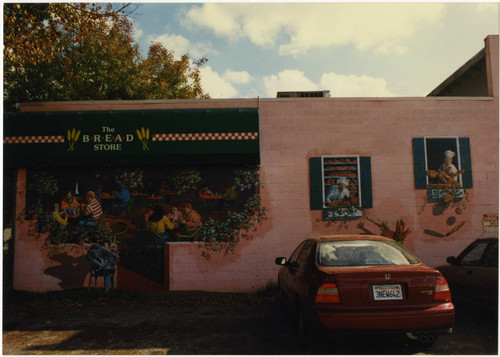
438, 318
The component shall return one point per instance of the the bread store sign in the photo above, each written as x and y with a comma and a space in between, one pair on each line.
148, 137
108, 140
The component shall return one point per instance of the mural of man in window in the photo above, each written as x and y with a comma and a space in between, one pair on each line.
447, 174
442, 162
444, 172
338, 195
448, 165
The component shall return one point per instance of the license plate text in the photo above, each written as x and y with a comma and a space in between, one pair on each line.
387, 292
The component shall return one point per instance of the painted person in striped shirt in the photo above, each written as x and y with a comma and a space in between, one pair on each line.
191, 219
91, 211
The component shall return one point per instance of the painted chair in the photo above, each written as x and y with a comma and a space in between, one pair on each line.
149, 240
102, 264
100, 222
92, 228
130, 207
190, 235
119, 232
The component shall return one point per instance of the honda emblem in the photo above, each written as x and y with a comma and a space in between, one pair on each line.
387, 276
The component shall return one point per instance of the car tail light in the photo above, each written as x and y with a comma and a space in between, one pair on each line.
442, 291
328, 293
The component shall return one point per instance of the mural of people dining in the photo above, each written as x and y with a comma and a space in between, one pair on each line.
140, 209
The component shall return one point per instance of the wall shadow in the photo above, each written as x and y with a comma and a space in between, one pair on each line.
71, 271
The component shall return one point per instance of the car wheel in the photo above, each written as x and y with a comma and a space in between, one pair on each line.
303, 328
281, 313
281, 295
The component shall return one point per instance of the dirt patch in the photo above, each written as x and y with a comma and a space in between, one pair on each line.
67, 323
157, 323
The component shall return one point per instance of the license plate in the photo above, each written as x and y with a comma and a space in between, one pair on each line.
387, 292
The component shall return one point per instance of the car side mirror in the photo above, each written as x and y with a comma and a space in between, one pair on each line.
280, 261
451, 260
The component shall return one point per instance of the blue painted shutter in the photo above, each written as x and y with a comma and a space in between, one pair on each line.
419, 163
316, 183
366, 181
465, 162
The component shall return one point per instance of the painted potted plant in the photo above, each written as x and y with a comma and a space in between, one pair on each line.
218, 236
186, 181
43, 183
447, 192
132, 180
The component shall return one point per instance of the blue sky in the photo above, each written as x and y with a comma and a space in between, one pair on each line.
255, 49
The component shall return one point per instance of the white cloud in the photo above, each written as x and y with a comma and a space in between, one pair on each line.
383, 27
216, 85
223, 86
181, 45
235, 21
487, 7
355, 86
241, 77
137, 32
339, 85
288, 80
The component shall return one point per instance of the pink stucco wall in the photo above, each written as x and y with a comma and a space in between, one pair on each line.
241, 271
293, 130
39, 267
383, 130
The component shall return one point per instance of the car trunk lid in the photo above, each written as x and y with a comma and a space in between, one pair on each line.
386, 285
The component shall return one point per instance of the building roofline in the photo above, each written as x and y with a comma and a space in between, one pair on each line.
105, 105
474, 61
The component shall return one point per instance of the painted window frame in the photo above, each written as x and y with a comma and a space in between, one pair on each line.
420, 160
318, 191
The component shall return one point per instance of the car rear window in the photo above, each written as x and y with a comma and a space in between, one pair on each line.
364, 252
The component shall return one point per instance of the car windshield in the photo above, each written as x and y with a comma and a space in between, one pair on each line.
364, 252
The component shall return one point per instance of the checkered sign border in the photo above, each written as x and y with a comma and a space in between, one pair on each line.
47, 139
56, 139
205, 136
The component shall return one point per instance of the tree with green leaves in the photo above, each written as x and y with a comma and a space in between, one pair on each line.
77, 51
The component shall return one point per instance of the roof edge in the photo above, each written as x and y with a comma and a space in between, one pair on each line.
459, 72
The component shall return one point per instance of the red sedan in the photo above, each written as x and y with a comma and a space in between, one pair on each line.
364, 283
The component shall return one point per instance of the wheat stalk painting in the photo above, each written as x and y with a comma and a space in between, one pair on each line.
143, 136
73, 136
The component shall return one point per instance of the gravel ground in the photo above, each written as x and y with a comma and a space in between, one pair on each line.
68, 323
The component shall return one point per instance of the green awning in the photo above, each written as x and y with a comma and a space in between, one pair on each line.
124, 138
